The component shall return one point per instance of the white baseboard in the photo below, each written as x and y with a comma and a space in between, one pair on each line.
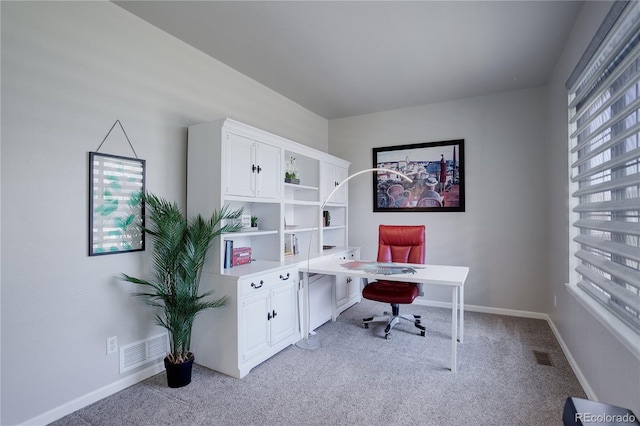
154, 369
483, 309
572, 362
524, 314
96, 395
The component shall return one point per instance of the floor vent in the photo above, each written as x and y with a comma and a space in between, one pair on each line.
143, 351
542, 358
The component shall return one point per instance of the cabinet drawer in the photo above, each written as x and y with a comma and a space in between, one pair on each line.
266, 281
350, 255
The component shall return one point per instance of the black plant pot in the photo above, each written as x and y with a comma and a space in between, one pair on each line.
178, 375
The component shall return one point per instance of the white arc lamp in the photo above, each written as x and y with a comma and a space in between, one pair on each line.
306, 342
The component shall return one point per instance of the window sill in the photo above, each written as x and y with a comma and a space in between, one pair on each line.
622, 332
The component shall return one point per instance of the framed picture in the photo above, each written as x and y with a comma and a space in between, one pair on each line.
116, 207
437, 173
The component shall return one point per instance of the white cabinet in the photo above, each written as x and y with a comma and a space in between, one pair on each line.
333, 175
267, 318
260, 319
347, 290
252, 169
236, 165
320, 300
231, 164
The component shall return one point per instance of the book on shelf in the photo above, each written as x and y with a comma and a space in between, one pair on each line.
291, 247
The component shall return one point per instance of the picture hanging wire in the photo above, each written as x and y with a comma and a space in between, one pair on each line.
125, 135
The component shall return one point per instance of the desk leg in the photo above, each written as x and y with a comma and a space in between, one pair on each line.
303, 303
461, 336
454, 328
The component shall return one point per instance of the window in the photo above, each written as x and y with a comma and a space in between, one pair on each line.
604, 127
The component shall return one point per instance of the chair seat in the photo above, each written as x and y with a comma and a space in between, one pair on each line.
391, 292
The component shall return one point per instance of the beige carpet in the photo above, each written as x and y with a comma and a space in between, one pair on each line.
359, 378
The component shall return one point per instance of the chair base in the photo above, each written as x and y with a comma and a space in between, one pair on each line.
394, 318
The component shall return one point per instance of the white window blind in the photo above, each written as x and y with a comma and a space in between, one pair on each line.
604, 127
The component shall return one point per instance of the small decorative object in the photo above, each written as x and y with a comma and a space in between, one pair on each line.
291, 174
174, 284
436, 170
254, 221
326, 217
241, 256
244, 221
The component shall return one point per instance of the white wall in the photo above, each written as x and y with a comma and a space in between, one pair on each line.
69, 70
499, 236
611, 371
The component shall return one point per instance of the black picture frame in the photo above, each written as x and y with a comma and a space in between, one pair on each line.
426, 164
116, 204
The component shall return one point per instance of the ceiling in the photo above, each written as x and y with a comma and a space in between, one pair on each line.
346, 58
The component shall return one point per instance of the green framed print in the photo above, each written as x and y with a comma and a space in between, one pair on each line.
116, 205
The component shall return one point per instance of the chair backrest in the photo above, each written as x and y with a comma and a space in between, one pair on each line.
403, 244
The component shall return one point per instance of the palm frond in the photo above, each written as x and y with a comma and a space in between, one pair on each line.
178, 256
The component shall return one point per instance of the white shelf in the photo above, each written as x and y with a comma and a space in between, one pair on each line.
297, 230
231, 235
301, 187
302, 203
329, 228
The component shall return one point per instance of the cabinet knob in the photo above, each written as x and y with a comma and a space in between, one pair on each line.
285, 278
269, 316
256, 286
259, 169
274, 314
253, 168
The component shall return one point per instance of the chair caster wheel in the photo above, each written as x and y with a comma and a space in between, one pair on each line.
365, 325
422, 333
387, 336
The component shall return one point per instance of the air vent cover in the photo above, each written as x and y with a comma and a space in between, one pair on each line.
542, 358
143, 351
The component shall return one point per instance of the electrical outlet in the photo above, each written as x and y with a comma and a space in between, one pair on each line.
112, 345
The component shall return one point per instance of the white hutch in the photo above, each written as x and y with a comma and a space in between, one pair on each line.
239, 166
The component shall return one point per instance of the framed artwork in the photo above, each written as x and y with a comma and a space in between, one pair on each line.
116, 207
437, 173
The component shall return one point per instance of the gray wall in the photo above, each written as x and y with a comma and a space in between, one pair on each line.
69, 70
499, 236
609, 371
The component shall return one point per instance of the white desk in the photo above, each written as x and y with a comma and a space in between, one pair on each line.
452, 276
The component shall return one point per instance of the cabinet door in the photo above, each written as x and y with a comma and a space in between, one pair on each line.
254, 325
333, 175
342, 290
284, 313
340, 174
354, 284
239, 166
268, 175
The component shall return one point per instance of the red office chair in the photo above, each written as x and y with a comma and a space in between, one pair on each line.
402, 244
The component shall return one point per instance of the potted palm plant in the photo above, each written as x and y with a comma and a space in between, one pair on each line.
179, 251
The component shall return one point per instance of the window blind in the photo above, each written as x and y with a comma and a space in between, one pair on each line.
604, 127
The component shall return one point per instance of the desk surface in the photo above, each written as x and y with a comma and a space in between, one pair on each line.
426, 274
